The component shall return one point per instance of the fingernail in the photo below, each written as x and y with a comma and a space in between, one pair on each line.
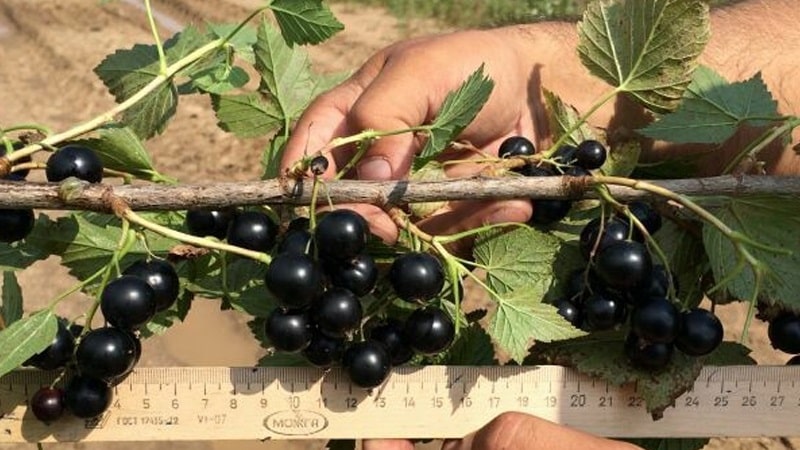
375, 168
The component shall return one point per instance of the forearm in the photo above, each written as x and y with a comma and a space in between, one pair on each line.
759, 35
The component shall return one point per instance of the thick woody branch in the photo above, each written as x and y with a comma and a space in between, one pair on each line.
283, 191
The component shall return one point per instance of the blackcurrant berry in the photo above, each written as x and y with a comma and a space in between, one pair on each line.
603, 312
253, 230
87, 397
106, 353
569, 311
295, 241
15, 224
590, 155
58, 353
359, 275
656, 284
784, 333
318, 165
288, 330
337, 312
565, 155
294, 279
161, 277
324, 351
17, 175
203, 222
299, 223
390, 334
367, 363
613, 230
700, 332
546, 211
647, 355
533, 170
577, 171
416, 276
74, 161
47, 404
622, 265
341, 234
429, 331
656, 321
648, 216
516, 146
794, 361
128, 302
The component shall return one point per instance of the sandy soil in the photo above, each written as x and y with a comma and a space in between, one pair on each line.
47, 51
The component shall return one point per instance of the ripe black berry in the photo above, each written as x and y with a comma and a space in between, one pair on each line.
299, 223
203, 222
569, 311
337, 312
784, 333
341, 234
288, 330
657, 321
590, 155
295, 241
577, 171
656, 284
17, 175
87, 397
565, 155
646, 215
128, 302
547, 211
794, 361
367, 363
534, 170
647, 355
15, 224
106, 353
603, 312
318, 165
294, 279
58, 353
74, 161
47, 404
253, 230
700, 332
161, 277
516, 146
622, 265
416, 276
390, 334
429, 331
613, 230
358, 275
324, 351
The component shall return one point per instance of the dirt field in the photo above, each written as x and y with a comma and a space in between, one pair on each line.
47, 51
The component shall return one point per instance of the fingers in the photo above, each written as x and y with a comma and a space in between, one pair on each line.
388, 444
517, 430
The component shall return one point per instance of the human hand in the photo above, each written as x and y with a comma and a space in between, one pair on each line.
515, 431
404, 85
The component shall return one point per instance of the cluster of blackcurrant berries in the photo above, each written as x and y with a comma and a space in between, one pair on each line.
68, 161
319, 278
784, 335
104, 356
567, 160
621, 283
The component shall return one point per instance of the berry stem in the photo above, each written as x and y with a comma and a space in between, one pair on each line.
162, 58
605, 98
450, 238
126, 240
368, 135
75, 288
28, 127
762, 142
362, 150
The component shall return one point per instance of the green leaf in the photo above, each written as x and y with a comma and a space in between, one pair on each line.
244, 287
25, 338
647, 48
518, 259
520, 319
731, 354
472, 348
669, 444
163, 320
432, 171
271, 156
687, 259
305, 21
220, 79
622, 159
21, 255
713, 109
285, 72
121, 149
601, 355
246, 115
562, 117
241, 43
126, 72
459, 109
12, 299
769, 220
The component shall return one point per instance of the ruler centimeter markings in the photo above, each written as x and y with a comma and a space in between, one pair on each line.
216, 403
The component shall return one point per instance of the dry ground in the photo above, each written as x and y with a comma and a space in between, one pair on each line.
47, 50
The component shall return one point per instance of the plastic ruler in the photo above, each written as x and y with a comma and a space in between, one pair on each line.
221, 403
